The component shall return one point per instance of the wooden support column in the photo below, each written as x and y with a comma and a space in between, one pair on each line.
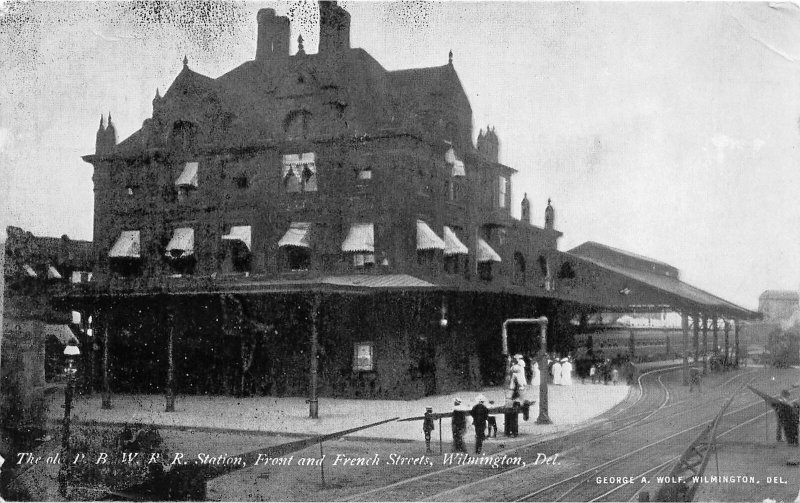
169, 390
727, 341
736, 324
313, 402
685, 327
714, 326
696, 333
104, 322
705, 343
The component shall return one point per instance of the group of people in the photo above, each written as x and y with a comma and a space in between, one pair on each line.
561, 371
480, 420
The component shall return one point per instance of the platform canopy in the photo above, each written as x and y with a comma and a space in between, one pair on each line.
624, 280
427, 239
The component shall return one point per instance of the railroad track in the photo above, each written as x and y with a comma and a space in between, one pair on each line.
451, 483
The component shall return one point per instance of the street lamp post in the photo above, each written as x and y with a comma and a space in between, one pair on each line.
544, 409
71, 353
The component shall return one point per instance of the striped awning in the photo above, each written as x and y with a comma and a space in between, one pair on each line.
127, 245
360, 238
61, 332
188, 176
239, 233
52, 273
453, 245
182, 243
457, 164
297, 235
427, 239
486, 253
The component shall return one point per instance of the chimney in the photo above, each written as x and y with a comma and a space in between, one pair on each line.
334, 28
273, 35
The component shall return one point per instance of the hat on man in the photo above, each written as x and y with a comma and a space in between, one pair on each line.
429, 409
480, 399
518, 356
457, 401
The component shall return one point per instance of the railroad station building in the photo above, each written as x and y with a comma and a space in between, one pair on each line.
315, 218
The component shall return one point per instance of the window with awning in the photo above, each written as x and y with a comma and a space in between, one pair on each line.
188, 177
61, 332
360, 241
456, 164
182, 243
297, 235
239, 233
360, 238
29, 271
52, 273
453, 245
486, 253
126, 246
427, 239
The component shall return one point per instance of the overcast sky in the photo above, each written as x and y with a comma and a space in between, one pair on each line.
667, 129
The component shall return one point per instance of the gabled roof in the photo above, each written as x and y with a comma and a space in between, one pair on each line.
624, 258
675, 293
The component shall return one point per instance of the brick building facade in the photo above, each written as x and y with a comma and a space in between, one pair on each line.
315, 218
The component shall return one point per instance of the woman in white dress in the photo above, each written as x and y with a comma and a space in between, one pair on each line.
566, 372
557, 373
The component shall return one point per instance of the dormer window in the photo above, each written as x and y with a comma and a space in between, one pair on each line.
300, 172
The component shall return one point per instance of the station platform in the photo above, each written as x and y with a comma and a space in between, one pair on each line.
569, 406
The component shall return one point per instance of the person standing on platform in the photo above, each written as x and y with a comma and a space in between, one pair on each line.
459, 426
557, 373
480, 414
566, 372
788, 418
427, 428
593, 372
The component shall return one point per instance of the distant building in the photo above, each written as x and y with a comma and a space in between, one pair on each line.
37, 271
778, 305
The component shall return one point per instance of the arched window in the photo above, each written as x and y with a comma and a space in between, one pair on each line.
296, 123
566, 271
183, 135
519, 269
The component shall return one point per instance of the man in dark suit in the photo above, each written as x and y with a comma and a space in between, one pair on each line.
459, 426
480, 414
